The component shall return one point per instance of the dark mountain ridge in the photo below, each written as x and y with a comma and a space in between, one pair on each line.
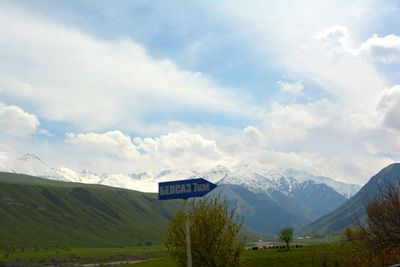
271, 210
346, 215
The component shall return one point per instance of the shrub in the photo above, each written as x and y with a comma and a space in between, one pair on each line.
214, 229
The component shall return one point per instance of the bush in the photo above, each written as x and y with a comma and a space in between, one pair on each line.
353, 234
214, 229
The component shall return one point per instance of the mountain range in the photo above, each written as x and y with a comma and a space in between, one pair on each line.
268, 200
256, 181
269, 203
36, 211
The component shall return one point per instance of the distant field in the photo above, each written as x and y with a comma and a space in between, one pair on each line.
332, 254
81, 255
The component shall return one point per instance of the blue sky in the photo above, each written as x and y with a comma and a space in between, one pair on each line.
125, 86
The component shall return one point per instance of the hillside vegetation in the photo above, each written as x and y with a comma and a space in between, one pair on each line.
345, 215
39, 212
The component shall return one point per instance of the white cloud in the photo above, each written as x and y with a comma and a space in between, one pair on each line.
253, 136
17, 122
293, 88
99, 84
336, 39
182, 150
292, 122
322, 51
383, 49
389, 108
114, 142
95, 84
178, 150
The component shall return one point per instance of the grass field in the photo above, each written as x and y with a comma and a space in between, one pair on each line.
82, 255
329, 254
332, 254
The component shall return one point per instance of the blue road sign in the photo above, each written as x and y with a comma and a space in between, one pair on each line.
184, 188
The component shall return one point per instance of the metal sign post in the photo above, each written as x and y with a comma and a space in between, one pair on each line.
187, 226
185, 189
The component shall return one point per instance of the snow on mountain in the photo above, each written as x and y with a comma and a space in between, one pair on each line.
285, 180
85, 177
170, 175
348, 190
145, 181
28, 164
248, 179
216, 174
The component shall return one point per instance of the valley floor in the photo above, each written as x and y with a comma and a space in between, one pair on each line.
329, 254
78, 256
332, 254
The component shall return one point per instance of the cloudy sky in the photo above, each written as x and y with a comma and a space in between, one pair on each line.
128, 86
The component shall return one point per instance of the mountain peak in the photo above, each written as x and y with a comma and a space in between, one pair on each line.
389, 174
219, 168
391, 167
299, 174
29, 156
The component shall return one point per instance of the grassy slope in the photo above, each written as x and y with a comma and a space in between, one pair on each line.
52, 213
346, 214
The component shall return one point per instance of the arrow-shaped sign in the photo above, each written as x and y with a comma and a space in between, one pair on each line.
184, 188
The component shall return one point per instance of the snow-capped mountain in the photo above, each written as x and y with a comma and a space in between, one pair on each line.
348, 190
262, 181
145, 181
271, 198
282, 180
28, 164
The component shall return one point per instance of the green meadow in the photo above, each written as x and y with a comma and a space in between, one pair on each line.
329, 254
34, 256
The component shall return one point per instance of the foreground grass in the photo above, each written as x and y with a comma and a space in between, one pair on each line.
161, 262
82, 255
329, 254
333, 254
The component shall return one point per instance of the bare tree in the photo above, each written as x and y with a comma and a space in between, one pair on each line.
380, 235
383, 219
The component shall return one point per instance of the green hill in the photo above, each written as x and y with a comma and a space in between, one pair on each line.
36, 211
345, 215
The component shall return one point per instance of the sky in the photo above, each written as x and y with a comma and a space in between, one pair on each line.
129, 86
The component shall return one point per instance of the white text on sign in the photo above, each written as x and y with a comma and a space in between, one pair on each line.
183, 188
